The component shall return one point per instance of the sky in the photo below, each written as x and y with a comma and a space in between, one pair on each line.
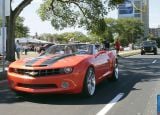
35, 24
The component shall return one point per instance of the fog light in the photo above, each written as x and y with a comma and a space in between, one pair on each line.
65, 85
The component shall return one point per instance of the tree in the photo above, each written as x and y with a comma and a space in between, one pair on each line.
111, 29
66, 13
21, 30
62, 13
47, 37
130, 29
76, 36
11, 22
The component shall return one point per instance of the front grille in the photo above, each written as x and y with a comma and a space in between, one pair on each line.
37, 86
147, 48
38, 73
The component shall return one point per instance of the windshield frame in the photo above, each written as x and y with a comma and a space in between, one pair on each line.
75, 49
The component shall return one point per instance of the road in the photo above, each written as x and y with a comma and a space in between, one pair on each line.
139, 84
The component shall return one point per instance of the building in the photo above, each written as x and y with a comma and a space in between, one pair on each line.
155, 32
136, 9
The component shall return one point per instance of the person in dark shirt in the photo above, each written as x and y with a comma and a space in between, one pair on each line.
106, 44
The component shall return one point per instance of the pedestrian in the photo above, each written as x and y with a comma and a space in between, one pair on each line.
17, 49
25, 49
117, 46
106, 44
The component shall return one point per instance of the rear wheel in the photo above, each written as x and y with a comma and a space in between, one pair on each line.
155, 53
89, 86
115, 74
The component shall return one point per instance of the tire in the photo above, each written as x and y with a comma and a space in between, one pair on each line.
115, 75
21, 94
155, 53
141, 53
89, 85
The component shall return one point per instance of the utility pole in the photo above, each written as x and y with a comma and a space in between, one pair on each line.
3, 33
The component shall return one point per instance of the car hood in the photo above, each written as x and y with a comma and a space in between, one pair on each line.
149, 46
56, 61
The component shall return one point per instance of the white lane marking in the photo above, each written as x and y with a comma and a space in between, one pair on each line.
154, 61
4, 90
3, 81
110, 104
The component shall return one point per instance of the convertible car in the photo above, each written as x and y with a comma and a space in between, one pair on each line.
71, 69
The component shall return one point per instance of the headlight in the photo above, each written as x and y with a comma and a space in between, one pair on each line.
68, 69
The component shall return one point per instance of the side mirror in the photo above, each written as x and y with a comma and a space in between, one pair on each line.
99, 53
42, 53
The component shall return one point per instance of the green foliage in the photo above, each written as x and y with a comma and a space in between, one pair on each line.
66, 13
124, 41
0, 22
65, 37
115, 2
130, 29
21, 30
95, 38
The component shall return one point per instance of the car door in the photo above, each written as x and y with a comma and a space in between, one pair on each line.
101, 62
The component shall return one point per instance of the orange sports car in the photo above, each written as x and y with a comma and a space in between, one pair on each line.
71, 68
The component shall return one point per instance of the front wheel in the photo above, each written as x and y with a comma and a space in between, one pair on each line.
21, 94
89, 86
142, 53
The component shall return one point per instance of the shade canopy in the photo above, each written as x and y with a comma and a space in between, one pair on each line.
31, 40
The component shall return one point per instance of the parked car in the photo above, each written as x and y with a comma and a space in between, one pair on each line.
72, 68
149, 47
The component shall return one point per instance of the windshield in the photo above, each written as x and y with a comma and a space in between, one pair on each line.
71, 49
146, 43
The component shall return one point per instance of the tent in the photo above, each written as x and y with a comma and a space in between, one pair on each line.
30, 40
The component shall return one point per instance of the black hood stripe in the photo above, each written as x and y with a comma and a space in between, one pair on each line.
31, 62
55, 59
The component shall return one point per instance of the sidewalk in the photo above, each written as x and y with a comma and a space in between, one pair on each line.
3, 75
129, 53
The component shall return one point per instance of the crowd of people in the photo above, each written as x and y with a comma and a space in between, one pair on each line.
23, 49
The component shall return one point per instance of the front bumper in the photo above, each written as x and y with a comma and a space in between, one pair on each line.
66, 83
148, 49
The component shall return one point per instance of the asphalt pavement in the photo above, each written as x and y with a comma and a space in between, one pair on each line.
137, 89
